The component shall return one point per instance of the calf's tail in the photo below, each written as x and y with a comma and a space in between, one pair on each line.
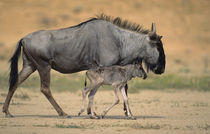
14, 66
85, 79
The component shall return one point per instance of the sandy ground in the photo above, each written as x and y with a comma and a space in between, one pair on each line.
156, 112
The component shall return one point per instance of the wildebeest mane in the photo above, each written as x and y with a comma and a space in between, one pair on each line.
82, 23
125, 24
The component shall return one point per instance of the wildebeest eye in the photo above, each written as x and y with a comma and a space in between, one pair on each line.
153, 37
154, 43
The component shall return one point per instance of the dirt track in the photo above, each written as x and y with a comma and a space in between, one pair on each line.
156, 112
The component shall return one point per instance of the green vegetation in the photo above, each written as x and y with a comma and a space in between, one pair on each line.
45, 125
74, 82
171, 81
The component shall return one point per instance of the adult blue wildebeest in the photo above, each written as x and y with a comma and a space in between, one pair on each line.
100, 41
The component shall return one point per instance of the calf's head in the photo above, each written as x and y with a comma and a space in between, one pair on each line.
139, 71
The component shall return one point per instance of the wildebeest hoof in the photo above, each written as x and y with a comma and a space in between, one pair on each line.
126, 113
9, 115
144, 77
94, 117
131, 118
64, 115
102, 116
79, 113
94, 113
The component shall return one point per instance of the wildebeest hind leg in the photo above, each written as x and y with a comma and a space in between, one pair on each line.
23, 75
45, 88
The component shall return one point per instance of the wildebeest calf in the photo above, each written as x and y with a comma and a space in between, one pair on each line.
117, 76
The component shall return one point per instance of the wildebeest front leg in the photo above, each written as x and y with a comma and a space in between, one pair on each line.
45, 89
125, 98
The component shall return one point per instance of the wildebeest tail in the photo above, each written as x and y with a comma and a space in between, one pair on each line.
14, 66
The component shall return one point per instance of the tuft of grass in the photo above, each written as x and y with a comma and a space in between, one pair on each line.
200, 104
147, 126
22, 96
177, 61
68, 126
4, 80
45, 125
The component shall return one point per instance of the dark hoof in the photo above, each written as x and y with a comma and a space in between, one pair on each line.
64, 115
144, 77
102, 116
9, 115
126, 113
93, 113
94, 117
68, 116
132, 118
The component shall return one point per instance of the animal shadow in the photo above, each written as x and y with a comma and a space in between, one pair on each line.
88, 117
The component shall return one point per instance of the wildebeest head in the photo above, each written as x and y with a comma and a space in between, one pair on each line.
155, 56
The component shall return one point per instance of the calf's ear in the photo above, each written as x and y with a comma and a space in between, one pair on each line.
137, 66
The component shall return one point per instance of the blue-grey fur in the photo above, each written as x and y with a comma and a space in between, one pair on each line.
97, 42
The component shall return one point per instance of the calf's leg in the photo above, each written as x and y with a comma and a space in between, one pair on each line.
115, 103
84, 94
124, 106
125, 98
90, 109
